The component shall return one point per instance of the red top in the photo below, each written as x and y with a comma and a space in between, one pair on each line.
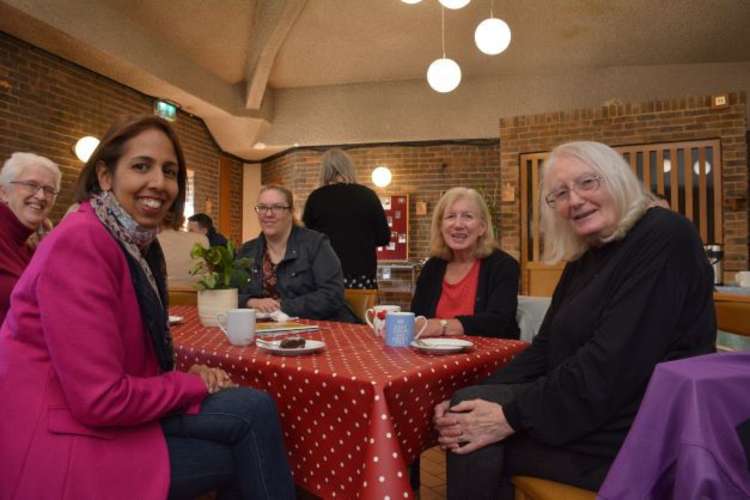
458, 299
14, 254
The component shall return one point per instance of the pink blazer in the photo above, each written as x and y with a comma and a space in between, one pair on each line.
80, 391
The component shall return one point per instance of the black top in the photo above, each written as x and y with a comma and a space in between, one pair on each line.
309, 279
216, 239
616, 312
497, 295
352, 216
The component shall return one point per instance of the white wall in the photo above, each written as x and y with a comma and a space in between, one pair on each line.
410, 111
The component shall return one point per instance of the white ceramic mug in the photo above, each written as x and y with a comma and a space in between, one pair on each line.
401, 328
743, 278
238, 325
375, 317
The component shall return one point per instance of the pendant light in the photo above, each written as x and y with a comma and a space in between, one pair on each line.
444, 74
454, 4
411, 2
492, 35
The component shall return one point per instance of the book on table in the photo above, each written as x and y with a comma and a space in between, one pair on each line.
277, 328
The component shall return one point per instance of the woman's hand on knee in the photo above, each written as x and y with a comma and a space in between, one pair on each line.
479, 423
214, 378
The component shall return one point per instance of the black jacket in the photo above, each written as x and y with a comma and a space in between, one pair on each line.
497, 295
352, 216
616, 312
309, 277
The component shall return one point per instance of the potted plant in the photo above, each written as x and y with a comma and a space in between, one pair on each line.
221, 274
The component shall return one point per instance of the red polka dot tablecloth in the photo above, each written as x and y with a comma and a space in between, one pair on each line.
354, 415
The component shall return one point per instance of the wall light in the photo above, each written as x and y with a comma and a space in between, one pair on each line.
381, 176
85, 147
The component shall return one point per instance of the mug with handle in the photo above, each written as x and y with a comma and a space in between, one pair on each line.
238, 325
400, 328
375, 318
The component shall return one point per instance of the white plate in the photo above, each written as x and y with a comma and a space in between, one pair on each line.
441, 345
175, 319
274, 347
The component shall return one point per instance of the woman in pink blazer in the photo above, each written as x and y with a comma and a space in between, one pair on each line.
91, 404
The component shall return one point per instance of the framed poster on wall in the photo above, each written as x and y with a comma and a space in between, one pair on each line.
396, 208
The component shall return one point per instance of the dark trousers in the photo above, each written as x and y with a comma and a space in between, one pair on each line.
485, 473
234, 445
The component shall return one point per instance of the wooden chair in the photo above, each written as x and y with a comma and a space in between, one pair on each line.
733, 313
534, 488
183, 297
360, 300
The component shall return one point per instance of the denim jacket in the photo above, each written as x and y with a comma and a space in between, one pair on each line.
310, 281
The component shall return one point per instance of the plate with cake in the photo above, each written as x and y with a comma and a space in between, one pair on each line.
291, 346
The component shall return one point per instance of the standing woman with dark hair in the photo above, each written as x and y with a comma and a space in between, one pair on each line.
92, 406
351, 215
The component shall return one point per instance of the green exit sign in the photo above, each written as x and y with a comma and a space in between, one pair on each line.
166, 110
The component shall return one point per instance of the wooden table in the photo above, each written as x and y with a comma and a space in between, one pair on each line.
355, 415
733, 312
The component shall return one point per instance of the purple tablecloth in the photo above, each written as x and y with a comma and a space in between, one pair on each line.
684, 443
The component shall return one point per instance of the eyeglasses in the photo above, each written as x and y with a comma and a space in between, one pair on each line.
584, 184
34, 187
274, 209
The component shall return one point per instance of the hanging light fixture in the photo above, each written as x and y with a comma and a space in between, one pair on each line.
453, 4
492, 35
411, 2
444, 74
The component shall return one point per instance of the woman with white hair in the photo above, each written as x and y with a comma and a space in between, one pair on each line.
352, 217
636, 290
28, 187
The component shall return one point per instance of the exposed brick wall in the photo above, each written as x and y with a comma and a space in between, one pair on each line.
423, 171
679, 119
48, 103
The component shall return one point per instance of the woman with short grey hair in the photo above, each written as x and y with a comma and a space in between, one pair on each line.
636, 290
29, 185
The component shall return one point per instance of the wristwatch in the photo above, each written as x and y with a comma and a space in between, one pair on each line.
443, 327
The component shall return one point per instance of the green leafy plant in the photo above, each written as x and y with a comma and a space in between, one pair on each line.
219, 267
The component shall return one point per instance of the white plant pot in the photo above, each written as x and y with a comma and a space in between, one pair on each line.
213, 302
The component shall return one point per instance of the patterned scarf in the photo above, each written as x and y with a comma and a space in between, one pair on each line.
144, 258
126, 230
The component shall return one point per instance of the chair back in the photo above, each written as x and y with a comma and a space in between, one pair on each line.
360, 300
183, 297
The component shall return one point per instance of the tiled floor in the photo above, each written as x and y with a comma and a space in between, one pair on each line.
432, 475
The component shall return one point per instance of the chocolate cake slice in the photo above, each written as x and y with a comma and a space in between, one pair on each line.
292, 343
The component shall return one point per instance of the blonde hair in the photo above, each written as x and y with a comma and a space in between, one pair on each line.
630, 198
288, 197
486, 243
335, 164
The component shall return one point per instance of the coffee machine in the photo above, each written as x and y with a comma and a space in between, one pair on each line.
715, 254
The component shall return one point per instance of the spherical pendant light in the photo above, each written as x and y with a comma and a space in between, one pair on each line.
411, 2
444, 75
454, 4
492, 36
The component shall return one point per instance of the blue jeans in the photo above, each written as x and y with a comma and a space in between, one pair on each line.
234, 445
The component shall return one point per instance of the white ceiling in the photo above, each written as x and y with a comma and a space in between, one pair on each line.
221, 59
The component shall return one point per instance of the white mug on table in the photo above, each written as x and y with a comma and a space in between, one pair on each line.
238, 325
743, 278
378, 313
